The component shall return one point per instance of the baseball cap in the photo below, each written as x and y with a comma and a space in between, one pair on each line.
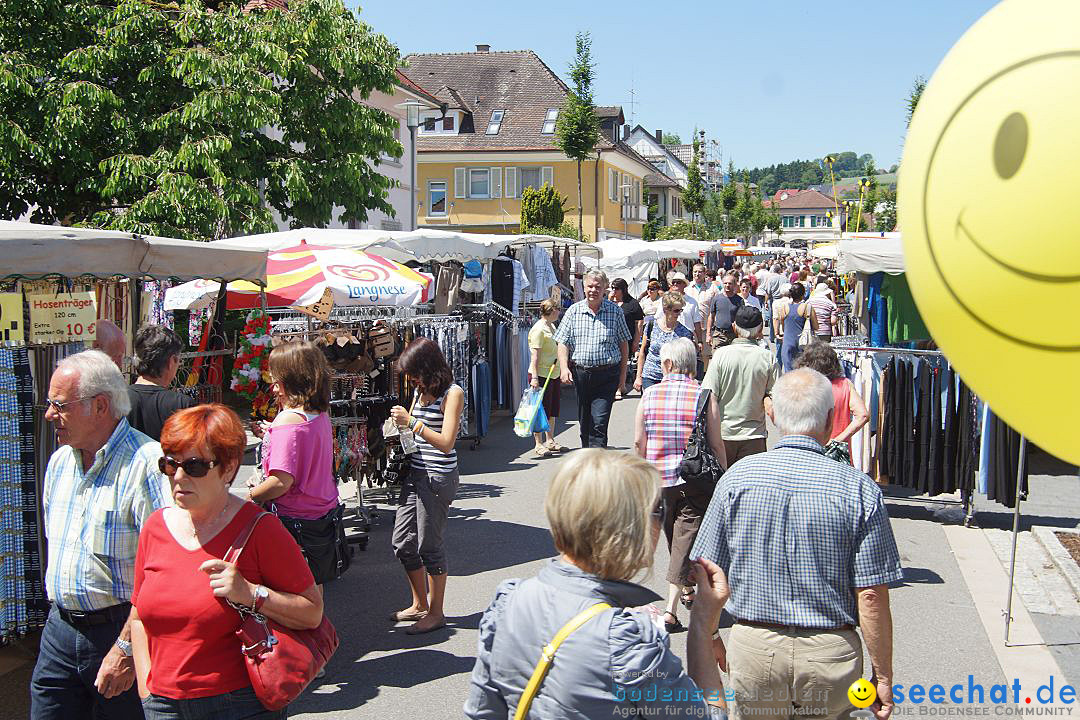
677, 277
748, 317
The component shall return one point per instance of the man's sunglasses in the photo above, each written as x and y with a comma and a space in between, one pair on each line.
193, 467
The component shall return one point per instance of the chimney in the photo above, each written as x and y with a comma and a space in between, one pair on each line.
660, 136
483, 48
625, 132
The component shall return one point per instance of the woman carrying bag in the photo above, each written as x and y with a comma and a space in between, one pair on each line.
432, 482
544, 369
188, 659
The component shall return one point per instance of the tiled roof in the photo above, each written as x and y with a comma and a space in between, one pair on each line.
609, 111
658, 179
780, 193
266, 5
409, 84
452, 99
518, 82
805, 200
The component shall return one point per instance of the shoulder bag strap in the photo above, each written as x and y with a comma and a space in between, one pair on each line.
548, 654
700, 418
237, 547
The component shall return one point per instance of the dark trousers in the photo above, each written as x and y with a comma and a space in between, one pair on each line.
595, 396
62, 687
235, 705
684, 507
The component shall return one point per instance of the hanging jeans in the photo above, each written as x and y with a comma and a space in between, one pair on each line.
595, 389
481, 373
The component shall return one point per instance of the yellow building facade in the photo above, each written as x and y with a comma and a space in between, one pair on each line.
481, 192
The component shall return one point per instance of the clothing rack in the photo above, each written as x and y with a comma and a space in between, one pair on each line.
966, 501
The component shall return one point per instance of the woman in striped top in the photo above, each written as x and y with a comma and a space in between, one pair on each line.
432, 483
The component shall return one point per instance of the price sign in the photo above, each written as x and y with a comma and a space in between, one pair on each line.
11, 317
64, 317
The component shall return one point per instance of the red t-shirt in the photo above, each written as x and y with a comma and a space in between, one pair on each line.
194, 651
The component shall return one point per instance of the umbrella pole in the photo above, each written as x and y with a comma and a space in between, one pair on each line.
1015, 533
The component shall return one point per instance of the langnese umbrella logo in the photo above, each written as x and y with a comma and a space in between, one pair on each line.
360, 273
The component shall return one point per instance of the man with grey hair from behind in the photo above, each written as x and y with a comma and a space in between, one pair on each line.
100, 487
809, 547
109, 339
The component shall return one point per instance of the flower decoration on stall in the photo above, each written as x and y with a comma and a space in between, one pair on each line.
250, 367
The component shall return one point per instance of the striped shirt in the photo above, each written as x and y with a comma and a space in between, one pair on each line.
427, 457
669, 409
93, 518
797, 535
824, 308
593, 338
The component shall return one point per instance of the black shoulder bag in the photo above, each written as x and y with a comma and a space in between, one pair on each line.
699, 467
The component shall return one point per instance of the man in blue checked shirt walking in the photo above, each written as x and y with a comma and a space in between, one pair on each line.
100, 487
809, 551
594, 344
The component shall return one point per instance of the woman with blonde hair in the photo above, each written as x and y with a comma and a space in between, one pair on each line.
616, 659
544, 369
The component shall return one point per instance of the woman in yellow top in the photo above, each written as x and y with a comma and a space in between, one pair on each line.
544, 364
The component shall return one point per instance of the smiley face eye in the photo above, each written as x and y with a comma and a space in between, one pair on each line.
1010, 146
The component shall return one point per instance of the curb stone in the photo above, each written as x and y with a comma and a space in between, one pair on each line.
1061, 557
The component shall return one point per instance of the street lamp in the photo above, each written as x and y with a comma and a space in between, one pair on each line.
625, 187
412, 120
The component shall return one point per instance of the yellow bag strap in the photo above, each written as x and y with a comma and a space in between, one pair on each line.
548, 654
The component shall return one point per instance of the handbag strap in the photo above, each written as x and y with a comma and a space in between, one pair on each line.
700, 418
237, 547
548, 654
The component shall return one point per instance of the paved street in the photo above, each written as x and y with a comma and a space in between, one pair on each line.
943, 633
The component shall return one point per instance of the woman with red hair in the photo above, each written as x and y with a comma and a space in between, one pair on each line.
183, 632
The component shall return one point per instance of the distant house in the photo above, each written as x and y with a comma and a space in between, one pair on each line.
665, 186
806, 217
497, 137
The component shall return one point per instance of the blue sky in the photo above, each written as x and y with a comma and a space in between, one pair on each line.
770, 81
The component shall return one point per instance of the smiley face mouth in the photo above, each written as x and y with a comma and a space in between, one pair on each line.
1040, 277
859, 697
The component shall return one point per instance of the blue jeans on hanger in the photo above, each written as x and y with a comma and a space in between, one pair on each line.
481, 377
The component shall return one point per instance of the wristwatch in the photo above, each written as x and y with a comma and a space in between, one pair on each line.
125, 647
259, 596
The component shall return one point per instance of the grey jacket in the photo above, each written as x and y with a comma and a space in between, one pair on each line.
616, 661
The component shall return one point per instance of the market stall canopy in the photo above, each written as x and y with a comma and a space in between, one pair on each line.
825, 252
422, 245
30, 250
298, 275
686, 249
618, 253
879, 252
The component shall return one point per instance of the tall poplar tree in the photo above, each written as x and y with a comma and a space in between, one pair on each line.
578, 129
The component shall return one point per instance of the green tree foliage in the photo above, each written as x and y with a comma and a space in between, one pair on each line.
184, 120
672, 139
541, 208
885, 221
693, 196
799, 174
712, 215
578, 129
655, 220
913, 98
678, 231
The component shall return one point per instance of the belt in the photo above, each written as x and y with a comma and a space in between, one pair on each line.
791, 628
591, 368
104, 616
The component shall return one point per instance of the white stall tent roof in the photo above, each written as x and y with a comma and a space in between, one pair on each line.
825, 252
30, 250
871, 253
619, 253
686, 249
402, 246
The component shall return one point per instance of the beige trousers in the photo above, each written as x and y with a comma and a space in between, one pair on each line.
786, 674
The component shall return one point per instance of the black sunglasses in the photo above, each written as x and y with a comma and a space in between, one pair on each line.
193, 467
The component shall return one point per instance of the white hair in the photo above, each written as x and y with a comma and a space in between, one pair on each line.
595, 273
748, 333
682, 354
802, 400
98, 375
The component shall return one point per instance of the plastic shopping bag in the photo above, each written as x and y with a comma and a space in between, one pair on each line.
527, 411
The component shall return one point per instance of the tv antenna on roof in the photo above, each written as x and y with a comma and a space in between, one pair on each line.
633, 100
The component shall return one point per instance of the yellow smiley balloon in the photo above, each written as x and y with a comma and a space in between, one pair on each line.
862, 694
987, 192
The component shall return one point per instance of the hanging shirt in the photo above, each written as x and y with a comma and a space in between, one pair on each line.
543, 277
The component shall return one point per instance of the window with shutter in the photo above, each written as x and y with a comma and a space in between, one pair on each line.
547, 176
496, 182
459, 182
511, 182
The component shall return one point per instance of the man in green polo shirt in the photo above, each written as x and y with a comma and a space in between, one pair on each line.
741, 377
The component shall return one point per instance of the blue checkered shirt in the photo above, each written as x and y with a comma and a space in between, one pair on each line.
797, 534
593, 339
93, 518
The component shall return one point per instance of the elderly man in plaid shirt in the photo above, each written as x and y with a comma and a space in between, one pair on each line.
100, 487
594, 344
809, 551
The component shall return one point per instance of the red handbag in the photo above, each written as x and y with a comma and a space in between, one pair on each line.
280, 661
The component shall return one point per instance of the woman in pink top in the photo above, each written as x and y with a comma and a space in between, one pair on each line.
849, 410
298, 450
